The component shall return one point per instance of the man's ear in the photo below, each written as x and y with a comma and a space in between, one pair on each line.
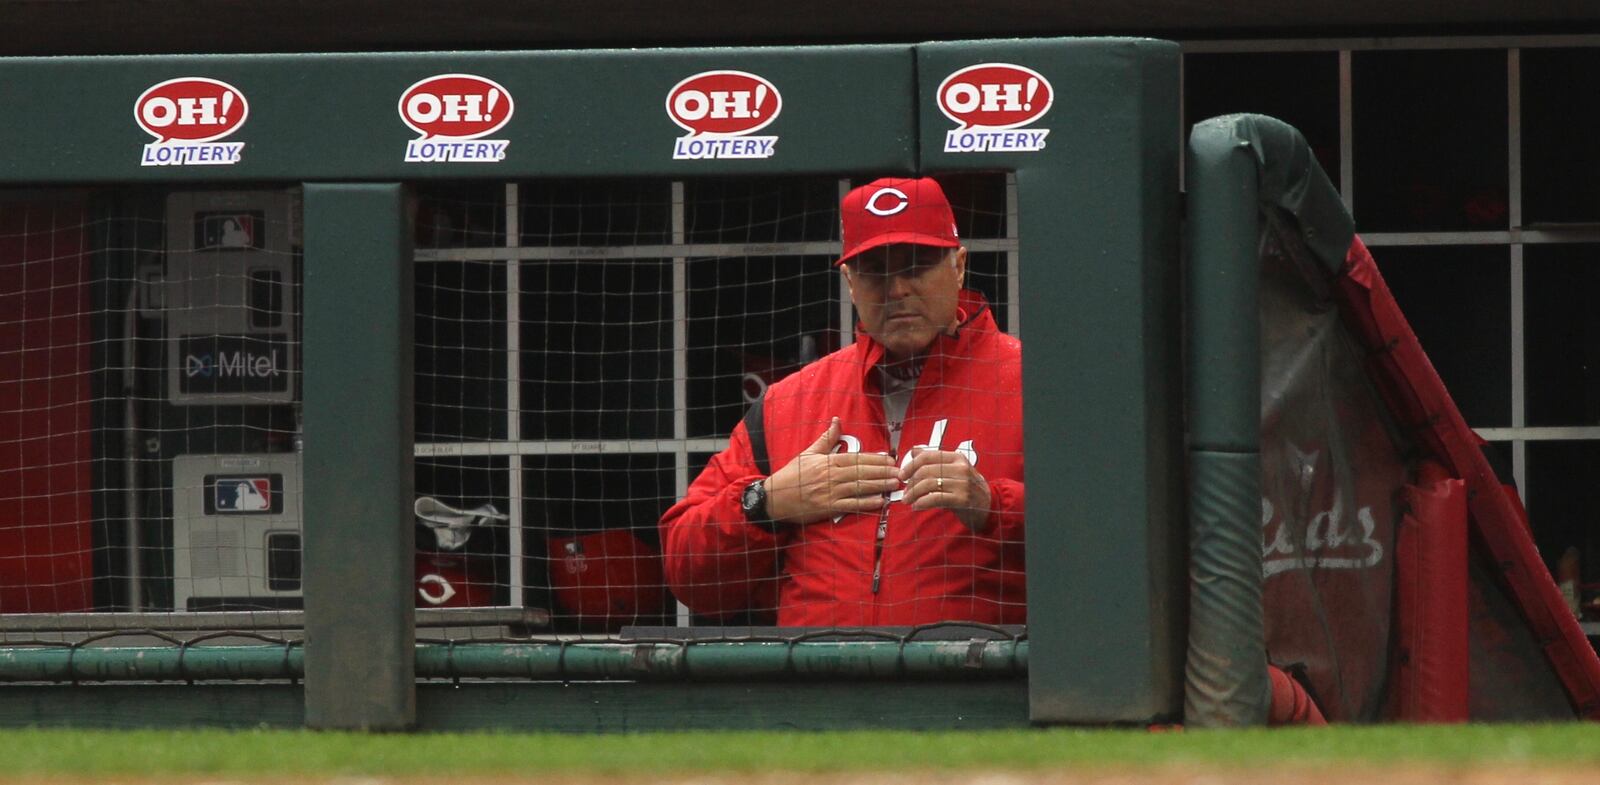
959, 259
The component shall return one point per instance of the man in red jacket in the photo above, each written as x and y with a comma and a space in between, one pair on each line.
898, 496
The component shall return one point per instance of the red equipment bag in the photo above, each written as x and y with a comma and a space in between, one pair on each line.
606, 579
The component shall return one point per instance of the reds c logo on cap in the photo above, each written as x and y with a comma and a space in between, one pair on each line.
896, 210
901, 201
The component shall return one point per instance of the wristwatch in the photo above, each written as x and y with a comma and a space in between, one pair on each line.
753, 501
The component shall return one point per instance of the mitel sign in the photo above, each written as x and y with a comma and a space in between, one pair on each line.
188, 116
993, 104
221, 364
721, 110
453, 113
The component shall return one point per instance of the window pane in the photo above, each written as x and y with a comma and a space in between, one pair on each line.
1430, 140
1560, 160
753, 321
596, 212
1299, 88
460, 357
765, 210
1562, 284
597, 350
458, 215
1563, 495
978, 201
1457, 299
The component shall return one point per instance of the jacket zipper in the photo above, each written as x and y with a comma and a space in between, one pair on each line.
877, 546
883, 515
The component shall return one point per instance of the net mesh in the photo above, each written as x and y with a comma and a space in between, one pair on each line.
583, 349
149, 471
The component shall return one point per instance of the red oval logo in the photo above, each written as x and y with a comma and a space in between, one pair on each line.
457, 106
995, 95
191, 109
723, 103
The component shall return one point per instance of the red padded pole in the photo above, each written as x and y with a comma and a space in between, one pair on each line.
1431, 620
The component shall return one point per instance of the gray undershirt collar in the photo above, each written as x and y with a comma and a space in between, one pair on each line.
896, 399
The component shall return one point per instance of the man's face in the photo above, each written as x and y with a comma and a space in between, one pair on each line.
906, 294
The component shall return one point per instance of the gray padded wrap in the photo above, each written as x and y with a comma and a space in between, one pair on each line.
1226, 674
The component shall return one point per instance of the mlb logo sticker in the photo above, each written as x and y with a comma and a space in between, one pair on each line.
243, 494
720, 110
229, 231
993, 104
188, 116
453, 113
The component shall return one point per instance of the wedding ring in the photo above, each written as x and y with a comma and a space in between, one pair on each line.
939, 484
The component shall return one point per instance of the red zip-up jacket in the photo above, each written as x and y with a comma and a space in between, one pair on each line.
930, 567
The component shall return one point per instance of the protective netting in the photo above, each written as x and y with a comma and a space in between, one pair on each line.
150, 384
583, 350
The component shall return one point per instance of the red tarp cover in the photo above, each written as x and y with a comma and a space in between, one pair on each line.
1418, 401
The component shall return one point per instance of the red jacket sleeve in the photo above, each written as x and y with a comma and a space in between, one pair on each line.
717, 563
1006, 498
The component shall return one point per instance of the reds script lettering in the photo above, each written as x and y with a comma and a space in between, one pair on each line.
1327, 542
852, 444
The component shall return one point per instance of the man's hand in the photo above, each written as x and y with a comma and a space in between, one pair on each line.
942, 479
820, 484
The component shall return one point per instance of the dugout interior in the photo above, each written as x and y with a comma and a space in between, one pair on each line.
647, 316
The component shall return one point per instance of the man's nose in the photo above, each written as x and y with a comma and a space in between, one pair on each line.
899, 286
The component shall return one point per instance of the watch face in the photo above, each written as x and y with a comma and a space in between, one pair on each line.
752, 496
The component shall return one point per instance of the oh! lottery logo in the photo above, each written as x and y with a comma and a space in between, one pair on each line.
188, 117
721, 110
453, 113
994, 103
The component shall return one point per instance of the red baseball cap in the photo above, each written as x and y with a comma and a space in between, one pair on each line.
896, 210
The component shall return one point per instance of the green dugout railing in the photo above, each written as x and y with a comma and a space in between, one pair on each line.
1096, 177
577, 661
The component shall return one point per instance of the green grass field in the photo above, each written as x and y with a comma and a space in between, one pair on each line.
61, 753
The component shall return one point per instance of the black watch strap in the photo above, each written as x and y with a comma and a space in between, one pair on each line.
753, 501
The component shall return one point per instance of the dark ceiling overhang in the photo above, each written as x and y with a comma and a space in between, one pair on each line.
55, 27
